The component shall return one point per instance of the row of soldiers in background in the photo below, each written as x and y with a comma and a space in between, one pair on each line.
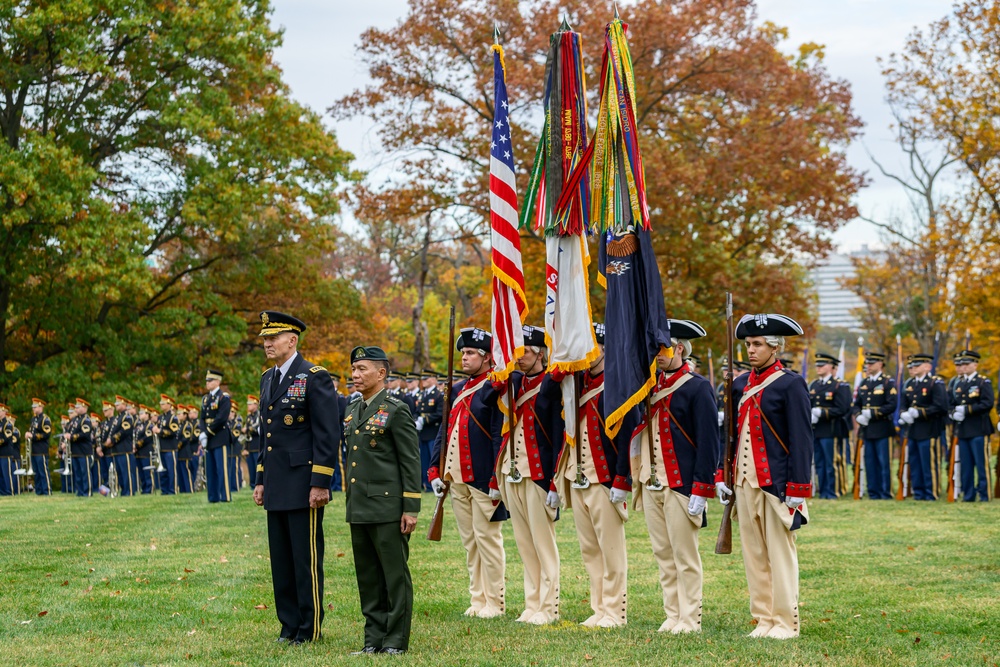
928, 410
131, 449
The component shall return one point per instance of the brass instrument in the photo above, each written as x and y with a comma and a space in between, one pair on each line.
30, 471
156, 456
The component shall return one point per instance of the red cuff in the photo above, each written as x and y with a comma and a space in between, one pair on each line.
703, 490
798, 490
552, 487
499, 386
621, 483
718, 476
493, 483
559, 375
432, 474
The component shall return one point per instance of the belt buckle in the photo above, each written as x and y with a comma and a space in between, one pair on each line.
581, 482
653, 484
514, 477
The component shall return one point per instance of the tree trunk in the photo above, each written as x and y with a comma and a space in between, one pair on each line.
421, 342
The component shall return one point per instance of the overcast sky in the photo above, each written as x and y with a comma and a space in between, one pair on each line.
320, 65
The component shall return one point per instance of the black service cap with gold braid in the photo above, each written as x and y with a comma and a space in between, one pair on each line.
273, 323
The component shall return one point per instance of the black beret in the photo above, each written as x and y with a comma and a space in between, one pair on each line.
362, 353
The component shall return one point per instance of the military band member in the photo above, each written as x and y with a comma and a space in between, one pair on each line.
167, 429
8, 454
197, 450
595, 486
429, 412
16, 463
118, 445
471, 448
772, 472
185, 450
62, 447
251, 436
874, 407
925, 404
674, 489
383, 499
101, 466
80, 436
215, 438
236, 448
971, 414
143, 449
525, 470
38, 436
831, 402
299, 435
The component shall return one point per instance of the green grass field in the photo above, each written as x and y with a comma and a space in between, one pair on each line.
171, 580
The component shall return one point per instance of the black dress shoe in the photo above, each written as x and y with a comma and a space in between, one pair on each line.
299, 641
283, 640
368, 650
388, 650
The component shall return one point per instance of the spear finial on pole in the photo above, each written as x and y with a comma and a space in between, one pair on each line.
616, 10
565, 26
496, 34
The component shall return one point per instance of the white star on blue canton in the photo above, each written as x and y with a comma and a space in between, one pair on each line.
503, 138
506, 154
499, 123
504, 104
493, 145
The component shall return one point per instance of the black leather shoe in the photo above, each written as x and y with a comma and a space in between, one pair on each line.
299, 642
388, 650
368, 650
283, 640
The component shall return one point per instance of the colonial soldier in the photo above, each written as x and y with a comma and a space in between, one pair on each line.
143, 449
8, 454
383, 499
831, 402
676, 476
197, 449
38, 436
80, 435
251, 436
772, 471
167, 429
526, 467
299, 431
429, 411
471, 447
236, 429
596, 473
925, 404
874, 406
215, 438
185, 449
118, 445
971, 415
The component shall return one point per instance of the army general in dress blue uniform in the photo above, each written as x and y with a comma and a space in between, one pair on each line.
299, 422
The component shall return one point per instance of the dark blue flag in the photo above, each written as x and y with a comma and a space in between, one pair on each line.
635, 321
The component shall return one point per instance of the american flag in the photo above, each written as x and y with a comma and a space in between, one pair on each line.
509, 304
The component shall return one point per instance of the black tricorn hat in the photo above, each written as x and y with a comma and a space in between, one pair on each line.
273, 323
767, 324
533, 336
476, 338
686, 330
599, 333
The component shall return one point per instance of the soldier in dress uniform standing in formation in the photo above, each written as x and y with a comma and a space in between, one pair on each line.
299, 432
197, 449
8, 454
677, 482
925, 405
79, 436
143, 449
428, 411
874, 407
772, 473
525, 470
118, 443
38, 436
251, 436
167, 429
186, 443
831, 403
215, 438
471, 446
970, 412
595, 485
383, 500
102, 460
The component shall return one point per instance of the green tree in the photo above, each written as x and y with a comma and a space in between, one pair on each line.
157, 186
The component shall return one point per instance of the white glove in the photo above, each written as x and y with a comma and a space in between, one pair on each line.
817, 413
814, 419
959, 413
722, 417
696, 505
867, 414
203, 439
723, 492
552, 500
617, 495
420, 423
862, 419
905, 417
494, 494
438, 486
914, 413
794, 502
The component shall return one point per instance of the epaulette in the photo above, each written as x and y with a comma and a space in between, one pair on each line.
226, 394
392, 399
316, 369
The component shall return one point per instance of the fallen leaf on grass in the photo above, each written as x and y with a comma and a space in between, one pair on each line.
176, 613
26, 622
261, 606
181, 578
187, 570
191, 633
91, 569
213, 597
223, 560
123, 510
65, 583
917, 640
88, 544
88, 589
859, 615
340, 554
48, 574
587, 656
329, 607
152, 547
42, 613
911, 548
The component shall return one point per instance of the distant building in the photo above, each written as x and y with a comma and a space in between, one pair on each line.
836, 303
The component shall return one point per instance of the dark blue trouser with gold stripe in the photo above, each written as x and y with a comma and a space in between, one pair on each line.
81, 475
217, 474
168, 478
40, 463
295, 541
924, 469
125, 467
185, 479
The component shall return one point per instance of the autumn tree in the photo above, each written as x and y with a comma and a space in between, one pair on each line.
742, 142
158, 186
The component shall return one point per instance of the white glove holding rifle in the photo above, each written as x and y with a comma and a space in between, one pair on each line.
723, 492
437, 486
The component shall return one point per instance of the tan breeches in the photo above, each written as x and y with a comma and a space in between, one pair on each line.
483, 542
771, 561
535, 535
674, 537
601, 532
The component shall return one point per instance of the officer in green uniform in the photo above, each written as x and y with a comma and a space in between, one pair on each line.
383, 499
